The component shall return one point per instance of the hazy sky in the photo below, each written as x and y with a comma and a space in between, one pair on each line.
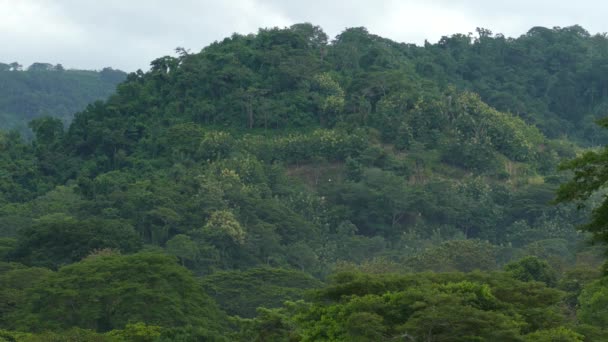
128, 34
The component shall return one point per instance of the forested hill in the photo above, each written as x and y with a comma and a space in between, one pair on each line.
280, 187
553, 78
43, 89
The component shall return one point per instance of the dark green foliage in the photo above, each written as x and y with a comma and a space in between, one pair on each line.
21, 179
106, 292
464, 256
267, 161
592, 303
56, 240
242, 292
15, 282
589, 178
6, 246
574, 281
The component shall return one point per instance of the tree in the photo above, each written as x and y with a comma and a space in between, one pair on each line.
589, 177
47, 130
58, 239
532, 269
456, 255
444, 319
560, 334
593, 303
419, 307
16, 66
158, 223
317, 39
106, 292
331, 101
185, 138
183, 247
365, 326
15, 282
242, 293
224, 230
137, 332
574, 281
40, 67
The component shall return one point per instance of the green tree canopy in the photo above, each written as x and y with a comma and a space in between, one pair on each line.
105, 292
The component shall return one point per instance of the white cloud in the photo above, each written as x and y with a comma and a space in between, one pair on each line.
404, 20
35, 20
128, 34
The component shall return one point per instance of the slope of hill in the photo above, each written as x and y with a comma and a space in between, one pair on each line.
46, 90
267, 160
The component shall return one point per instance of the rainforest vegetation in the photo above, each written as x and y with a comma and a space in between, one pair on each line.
282, 186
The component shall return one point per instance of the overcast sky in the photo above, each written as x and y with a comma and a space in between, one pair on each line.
128, 34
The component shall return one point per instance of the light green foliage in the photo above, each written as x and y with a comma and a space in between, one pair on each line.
136, 332
508, 134
71, 335
300, 148
450, 307
223, 228
560, 334
332, 98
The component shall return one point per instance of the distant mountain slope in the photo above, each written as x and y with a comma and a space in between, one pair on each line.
43, 89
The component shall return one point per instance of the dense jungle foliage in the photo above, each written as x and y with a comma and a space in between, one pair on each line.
281, 187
